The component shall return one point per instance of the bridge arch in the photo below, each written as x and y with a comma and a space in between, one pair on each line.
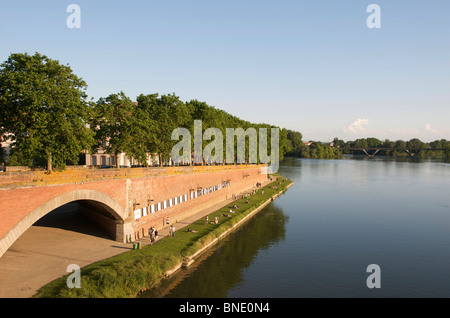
93, 198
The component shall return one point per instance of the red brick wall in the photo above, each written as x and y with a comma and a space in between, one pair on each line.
163, 188
20, 195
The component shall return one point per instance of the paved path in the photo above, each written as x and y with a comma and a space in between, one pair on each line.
44, 251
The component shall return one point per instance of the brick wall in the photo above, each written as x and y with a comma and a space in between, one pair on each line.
148, 192
123, 191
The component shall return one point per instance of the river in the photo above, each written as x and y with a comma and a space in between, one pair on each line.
318, 239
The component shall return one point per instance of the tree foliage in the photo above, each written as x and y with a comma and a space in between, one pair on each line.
437, 148
43, 106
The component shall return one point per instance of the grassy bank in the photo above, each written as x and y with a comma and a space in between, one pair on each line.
127, 274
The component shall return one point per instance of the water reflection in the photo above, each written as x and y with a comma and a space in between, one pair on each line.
218, 271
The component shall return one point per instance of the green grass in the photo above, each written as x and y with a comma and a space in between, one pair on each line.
126, 274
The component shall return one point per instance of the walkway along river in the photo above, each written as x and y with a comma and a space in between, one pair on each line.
127, 274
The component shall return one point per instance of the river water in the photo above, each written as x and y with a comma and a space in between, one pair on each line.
318, 239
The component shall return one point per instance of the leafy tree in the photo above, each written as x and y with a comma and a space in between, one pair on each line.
338, 142
373, 142
400, 144
120, 126
414, 144
43, 105
295, 143
166, 113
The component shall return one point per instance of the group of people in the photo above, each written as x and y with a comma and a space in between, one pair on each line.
153, 234
216, 220
172, 230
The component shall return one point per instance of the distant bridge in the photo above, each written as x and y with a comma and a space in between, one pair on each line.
412, 152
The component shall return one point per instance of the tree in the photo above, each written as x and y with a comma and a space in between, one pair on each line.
43, 105
414, 144
373, 142
167, 112
296, 142
121, 126
338, 143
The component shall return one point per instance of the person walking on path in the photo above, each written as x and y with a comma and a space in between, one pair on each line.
173, 230
170, 230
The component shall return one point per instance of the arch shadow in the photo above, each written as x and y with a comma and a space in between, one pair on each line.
107, 209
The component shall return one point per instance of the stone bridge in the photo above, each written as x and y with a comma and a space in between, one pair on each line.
125, 203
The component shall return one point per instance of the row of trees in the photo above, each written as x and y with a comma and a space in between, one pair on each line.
434, 149
147, 125
44, 110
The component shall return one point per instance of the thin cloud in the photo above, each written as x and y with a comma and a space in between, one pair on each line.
428, 128
357, 126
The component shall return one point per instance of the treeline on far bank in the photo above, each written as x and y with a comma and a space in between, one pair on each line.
295, 147
437, 148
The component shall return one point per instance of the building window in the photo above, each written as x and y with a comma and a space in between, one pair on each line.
137, 214
94, 160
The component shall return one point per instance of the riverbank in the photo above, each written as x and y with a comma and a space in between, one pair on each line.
128, 274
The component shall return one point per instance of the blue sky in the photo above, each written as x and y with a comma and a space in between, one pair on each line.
310, 66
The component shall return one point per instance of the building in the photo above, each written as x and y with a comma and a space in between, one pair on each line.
101, 159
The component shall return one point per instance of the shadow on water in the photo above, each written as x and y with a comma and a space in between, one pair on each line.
221, 268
